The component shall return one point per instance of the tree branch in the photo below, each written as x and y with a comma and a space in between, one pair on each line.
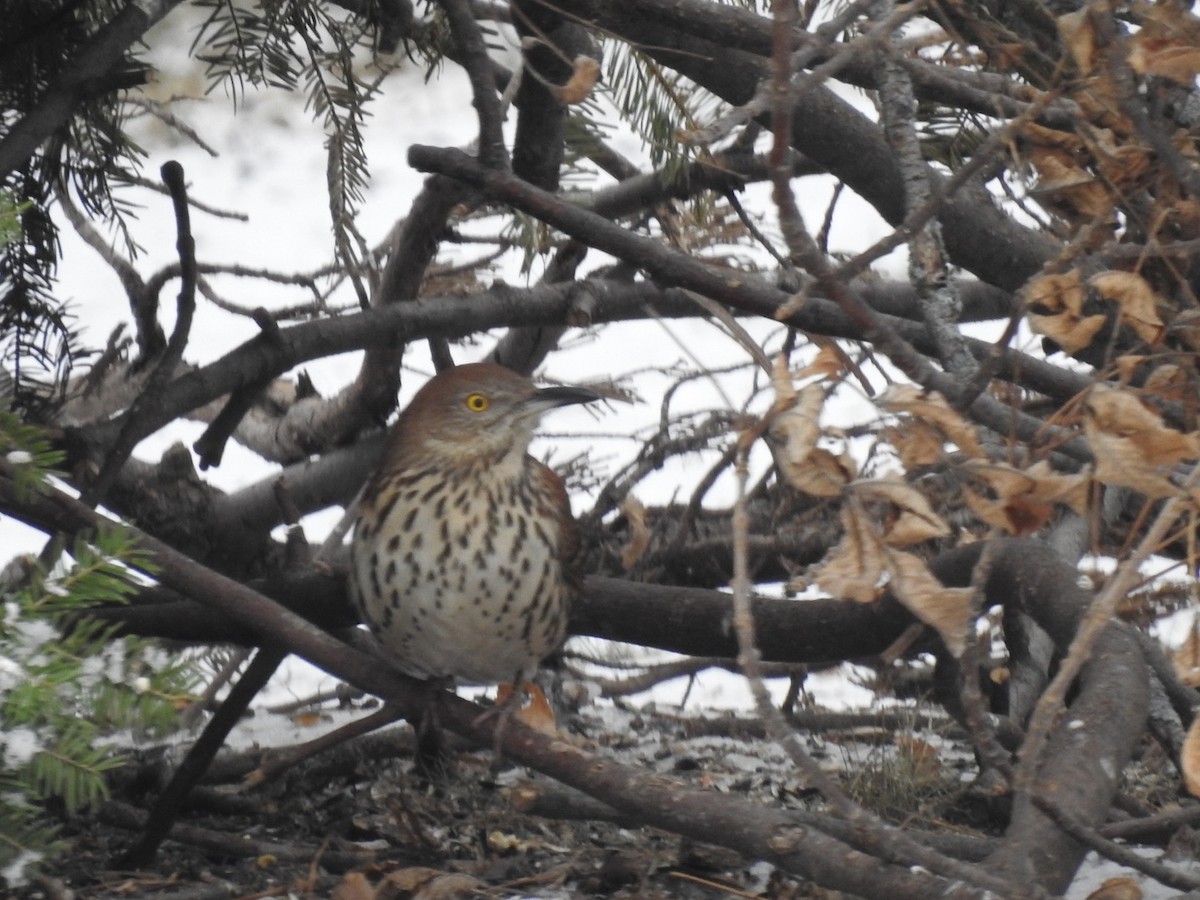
56, 106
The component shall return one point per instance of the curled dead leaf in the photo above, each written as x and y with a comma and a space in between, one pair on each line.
1120, 888
1136, 299
824, 475
1070, 331
1172, 382
1183, 218
1079, 37
1189, 759
1126, 167
1131, 443
1016, 515
828, 364
585, 73
1056, 292
1151, 55
913, 519
861, 565
917, 444
524, 796
1073, 189
795, 430
424, 883
502, 842
946, 610
1043, 136
1024, 498
1186, 327
922, 756
1128, 364
855, 569
1056, 310
932, 409
1038, 481
639, 532
1186, 658
353, 886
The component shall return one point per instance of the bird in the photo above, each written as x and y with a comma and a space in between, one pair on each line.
464, 557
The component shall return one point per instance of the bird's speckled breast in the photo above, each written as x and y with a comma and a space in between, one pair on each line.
461, 578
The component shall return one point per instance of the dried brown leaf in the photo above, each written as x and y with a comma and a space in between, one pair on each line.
1150, 55
1169, 20
1119, 413
1058, 172
861, 565
411, 878
1136, 299
584, 75
1056, 310
1070, 331
353, 886
824, 473
1189, 759
933, 409
1126, 166
418, 883
828, 364
1079, 37
1056, 292
800, 426
855, 569
1038, 483
914, 520
1072, 187
639, 532
946, 610
794, 435
917, 444
1186, 657
924, 757
1015, 515
1119, 888
1127, 365
1051, 138
1186, 326
1132, 444
1183, 217
1169, 381
534, 712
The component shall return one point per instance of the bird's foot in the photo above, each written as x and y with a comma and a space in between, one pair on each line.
433, 752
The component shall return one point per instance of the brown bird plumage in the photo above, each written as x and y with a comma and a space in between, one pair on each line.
462, 560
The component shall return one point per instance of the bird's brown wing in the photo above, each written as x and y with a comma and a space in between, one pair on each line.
552, 496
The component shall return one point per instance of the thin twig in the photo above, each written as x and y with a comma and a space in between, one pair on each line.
164, 368
474, 59
927, 266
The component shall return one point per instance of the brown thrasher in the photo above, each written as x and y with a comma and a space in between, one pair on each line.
462, 561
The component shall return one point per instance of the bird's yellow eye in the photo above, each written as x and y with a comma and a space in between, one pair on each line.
477, 402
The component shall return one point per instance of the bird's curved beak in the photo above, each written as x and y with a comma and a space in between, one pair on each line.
548, 398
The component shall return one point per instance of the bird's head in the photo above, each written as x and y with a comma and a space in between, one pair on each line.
477, 411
